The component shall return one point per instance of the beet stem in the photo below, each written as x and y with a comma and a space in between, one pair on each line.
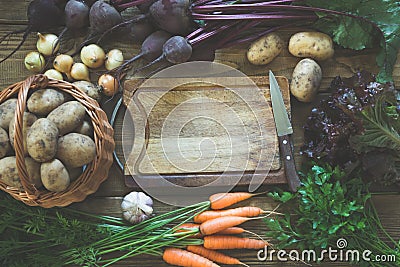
126, 65
260, 16
11, 33
155, 61
167, 63
209, 34
254, 36
229, 37
24, 37
133, 20
123, 6
194, 33
88, 40
265, 5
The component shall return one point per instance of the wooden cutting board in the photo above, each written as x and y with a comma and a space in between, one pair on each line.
199, 132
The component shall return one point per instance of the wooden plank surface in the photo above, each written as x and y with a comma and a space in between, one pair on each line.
107, 199
178, 121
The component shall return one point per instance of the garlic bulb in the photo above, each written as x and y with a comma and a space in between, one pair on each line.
137, 207
47, 44
114, 59
93, 56
34, 61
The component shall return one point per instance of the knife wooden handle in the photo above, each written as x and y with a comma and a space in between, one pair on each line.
288, 161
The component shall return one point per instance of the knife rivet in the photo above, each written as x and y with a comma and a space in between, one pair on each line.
288, 157
284, 142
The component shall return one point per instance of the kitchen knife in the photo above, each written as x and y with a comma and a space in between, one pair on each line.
284, 130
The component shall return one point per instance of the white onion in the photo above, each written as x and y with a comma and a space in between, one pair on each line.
80, 72
93, 56
54, 74
63, 63
34, 61
114, 59
47, 44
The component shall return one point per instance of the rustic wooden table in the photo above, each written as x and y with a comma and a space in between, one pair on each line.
108, 198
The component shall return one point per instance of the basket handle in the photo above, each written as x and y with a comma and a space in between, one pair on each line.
32, 82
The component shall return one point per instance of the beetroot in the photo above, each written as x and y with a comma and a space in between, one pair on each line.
172, 16
140, 30
42, 16
103, 17
152, 48
76, 14
177, 50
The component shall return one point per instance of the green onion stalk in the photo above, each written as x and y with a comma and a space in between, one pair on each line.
57, 237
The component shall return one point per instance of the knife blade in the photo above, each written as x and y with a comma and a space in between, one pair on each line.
284, 130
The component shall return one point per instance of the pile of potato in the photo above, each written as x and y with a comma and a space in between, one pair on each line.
313, 47
57, 140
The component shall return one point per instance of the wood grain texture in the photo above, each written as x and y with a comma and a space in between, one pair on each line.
108, 198
200, 129
389, 214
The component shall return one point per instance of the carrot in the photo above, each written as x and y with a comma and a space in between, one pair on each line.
221, 223
223, 200
190, 227
214, 255
180, 257
232, 242
242, 211
231, 231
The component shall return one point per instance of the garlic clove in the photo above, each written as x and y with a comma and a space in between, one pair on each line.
47, 44
34, 61
146, 209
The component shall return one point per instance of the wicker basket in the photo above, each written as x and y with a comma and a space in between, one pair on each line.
95, 173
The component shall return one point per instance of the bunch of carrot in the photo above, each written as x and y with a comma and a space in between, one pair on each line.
217, 228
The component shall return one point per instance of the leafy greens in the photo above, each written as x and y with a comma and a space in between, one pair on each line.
327, 207
368, 22
357, 125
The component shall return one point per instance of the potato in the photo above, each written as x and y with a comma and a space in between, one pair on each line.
42, 140
86, 128
76, 150
7, 110
68, 116
306, 79
43, 101
4, 143
27, 121
265, 49
316, 45
89, 88
9, 173
33, 169
54, 175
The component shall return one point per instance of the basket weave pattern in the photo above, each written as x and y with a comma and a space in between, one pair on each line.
95, 173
